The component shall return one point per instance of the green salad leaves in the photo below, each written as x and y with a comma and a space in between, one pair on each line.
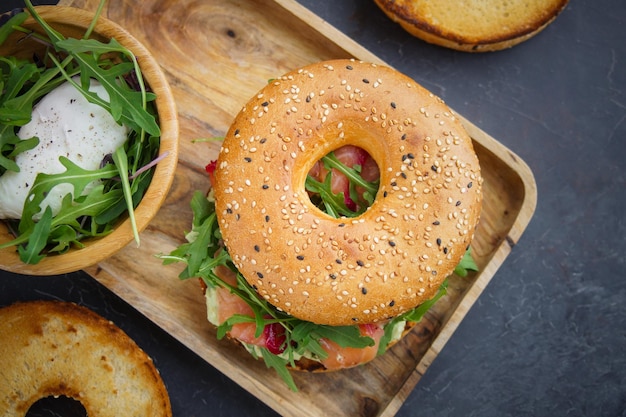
123, 178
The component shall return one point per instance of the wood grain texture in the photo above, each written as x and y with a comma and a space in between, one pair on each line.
216, 54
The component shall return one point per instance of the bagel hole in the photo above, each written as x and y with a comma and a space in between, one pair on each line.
57, 406
351, 199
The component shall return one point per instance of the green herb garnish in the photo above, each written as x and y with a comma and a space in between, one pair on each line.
124, 179
467, 264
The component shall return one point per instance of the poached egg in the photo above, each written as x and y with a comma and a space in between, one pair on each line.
66, 125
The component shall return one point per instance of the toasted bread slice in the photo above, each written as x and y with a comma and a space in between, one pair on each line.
51, 348
473, 25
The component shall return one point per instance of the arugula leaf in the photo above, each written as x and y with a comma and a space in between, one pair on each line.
12, 142
121, 160
73, 174
125, 105
228, 324
30, 252
88, 205
64, 236
344, 336
16, 111
19, 73
119, 206
414, 316
302, 332
7, 28
417, 313
466, 264
333, 204
280, 366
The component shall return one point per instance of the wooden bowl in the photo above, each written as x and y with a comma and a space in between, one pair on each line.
72, 22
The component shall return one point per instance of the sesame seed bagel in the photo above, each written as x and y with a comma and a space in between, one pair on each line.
54, 348
473, 25
347, 270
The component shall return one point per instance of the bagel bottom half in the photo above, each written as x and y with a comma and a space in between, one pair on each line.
52, 348
341, 358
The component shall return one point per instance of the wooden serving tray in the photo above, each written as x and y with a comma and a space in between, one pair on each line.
216, 55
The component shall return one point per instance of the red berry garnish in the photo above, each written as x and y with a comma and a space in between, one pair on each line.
210, 169
274, 338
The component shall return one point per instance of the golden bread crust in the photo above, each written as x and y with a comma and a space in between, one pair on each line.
347, 271
473, 25
54, 348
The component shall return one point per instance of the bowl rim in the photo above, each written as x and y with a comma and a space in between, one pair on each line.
101, 248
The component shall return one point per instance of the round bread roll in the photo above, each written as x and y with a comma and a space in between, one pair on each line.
54, 348
473, 25
344, 271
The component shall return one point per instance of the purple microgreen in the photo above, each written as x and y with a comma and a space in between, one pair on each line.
149, 166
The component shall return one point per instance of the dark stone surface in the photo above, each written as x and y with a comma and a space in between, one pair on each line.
548, 335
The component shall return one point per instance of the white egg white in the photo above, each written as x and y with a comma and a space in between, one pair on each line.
66, 125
